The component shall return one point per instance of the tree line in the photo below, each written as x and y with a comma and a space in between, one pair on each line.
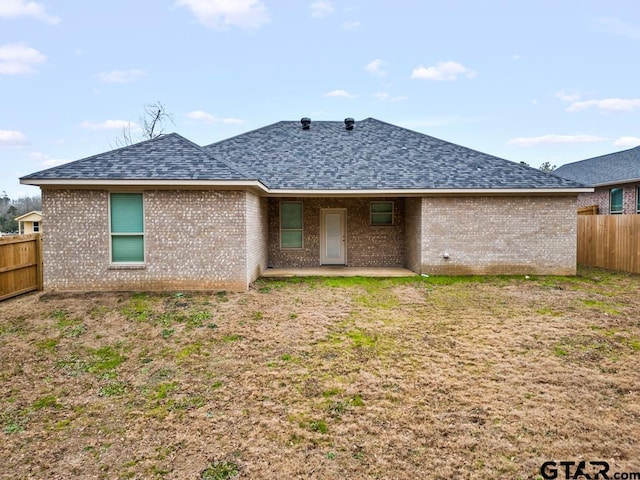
12, 208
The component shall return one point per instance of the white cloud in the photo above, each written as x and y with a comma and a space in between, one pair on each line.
568, 95
339, 94
607, 104
554, 140
110, 125
618, 27
205, 117
46, 161
351, 25
220, 14
20, 8
321, 9
17, 58
627, 142
449, 70
389, 97
121, 76
12, 138
376, 68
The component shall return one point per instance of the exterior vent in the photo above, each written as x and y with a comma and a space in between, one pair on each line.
306, 123
348, 122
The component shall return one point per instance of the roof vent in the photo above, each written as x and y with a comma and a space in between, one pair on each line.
306, 123
348, 122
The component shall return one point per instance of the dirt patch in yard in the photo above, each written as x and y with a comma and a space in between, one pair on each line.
440, 378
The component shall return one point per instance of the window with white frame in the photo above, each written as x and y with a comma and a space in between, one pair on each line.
291, 225
615, 200
126, 228
381, 213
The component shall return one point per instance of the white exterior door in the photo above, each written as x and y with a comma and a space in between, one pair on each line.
333, 243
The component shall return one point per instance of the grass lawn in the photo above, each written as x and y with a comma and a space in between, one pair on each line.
435, 378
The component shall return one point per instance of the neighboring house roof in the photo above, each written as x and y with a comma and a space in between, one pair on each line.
35, 215
327, 157
619, 167
169, 157
374, 155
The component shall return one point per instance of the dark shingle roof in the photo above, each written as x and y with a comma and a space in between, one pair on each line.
169, 157
374, 155
619, 167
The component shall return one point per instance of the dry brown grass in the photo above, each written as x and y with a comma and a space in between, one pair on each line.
436, 378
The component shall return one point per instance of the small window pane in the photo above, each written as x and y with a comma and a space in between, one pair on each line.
381, 213
382, 207
616, 200
128, 248
291, 239
638, 199
381, 218
126, 213
291, 215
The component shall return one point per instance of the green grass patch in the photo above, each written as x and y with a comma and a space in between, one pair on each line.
231, 338
104, 359
113, 389
50, 401
138, 308
162, 390
47, 344
220, 470
601, 306
188, 351
197, 319
360, 339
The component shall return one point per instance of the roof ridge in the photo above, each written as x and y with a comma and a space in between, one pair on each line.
234, 168
598, 157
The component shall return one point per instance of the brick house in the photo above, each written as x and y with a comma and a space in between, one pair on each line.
615, 178
169, 214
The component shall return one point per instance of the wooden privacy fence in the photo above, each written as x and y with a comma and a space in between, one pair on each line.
609, 241
20, 264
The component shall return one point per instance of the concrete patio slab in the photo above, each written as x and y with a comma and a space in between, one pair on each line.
338, 271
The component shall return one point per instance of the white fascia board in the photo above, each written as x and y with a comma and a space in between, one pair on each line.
144, 183
407, 192
276, 192
618, 182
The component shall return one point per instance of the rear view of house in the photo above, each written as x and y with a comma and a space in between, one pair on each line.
615, 178
169, 214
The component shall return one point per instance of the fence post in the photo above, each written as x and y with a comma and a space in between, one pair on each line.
39, 263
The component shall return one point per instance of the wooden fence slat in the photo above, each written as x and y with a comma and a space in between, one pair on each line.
20, 265
609, 241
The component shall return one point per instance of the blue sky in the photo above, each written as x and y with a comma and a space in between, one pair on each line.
529, 81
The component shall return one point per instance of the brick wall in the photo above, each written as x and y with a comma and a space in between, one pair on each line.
413, 230
499, 235
367, 246
601, 198
193, 240
257, 230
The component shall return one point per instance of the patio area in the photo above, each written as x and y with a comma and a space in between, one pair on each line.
338, 271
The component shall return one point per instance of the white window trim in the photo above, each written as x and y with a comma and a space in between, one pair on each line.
393, 214
280, 229
126, 265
